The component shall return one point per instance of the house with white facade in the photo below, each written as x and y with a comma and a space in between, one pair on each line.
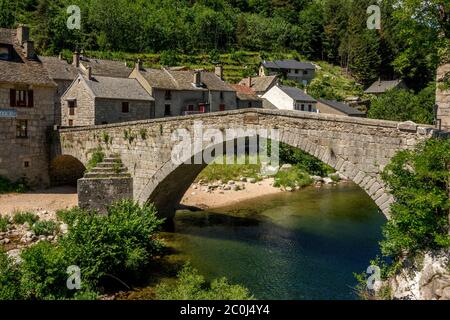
290, 98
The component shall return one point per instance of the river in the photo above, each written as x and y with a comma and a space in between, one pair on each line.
299, 245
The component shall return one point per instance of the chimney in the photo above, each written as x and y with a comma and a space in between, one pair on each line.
218, 70
249, 82
23, 33
76, 59
29, 49
89, 72
138, 65
197, 78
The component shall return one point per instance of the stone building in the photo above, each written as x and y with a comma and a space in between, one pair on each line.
246, 97
381, 86
443, 96
26, 109
185, 92
302, 72
290, 98
259, 85
95, 100
339, 108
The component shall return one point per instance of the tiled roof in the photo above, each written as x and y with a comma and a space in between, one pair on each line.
59, 69
297, 94
245, 93
183, 80
342, 107
382, 86
20, 69
117, 88
260, 84
288, 64
107, 68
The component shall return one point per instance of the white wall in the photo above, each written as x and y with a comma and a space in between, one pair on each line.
279, 99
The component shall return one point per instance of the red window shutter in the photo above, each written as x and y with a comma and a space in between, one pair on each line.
30, 99
12, 98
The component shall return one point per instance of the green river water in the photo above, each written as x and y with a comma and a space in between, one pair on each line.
299, 245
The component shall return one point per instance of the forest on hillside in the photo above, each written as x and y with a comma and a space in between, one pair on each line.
413, 37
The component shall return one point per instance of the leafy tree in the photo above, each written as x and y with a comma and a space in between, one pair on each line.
169, 58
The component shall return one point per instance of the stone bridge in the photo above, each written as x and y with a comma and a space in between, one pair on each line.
359, 148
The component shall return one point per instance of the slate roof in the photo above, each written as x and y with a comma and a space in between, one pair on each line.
260, 84
117, 88
342, 107
288, 64
59, 69
107, 68
381, 86
20, 69
297, 94
245, 93
183, 80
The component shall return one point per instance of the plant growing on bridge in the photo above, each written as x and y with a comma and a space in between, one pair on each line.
143, 133
97, 156
419, 180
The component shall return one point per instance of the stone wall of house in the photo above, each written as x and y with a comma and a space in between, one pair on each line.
63, 85
84, 111
27, 157
110, 111
443, 96
359, 148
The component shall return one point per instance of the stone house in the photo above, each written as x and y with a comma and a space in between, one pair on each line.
259, 85
26, 109
96, 100
246, 97
381, 86
339, 108
302, 72
181, 92
290, 98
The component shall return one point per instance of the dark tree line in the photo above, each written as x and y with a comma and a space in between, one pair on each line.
406, 46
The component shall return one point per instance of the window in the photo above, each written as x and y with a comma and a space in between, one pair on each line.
72, 103
26, 164
21, 98
4, 53
305, 71
71, 111
309, 108
168, 95
221, 95
70, 123
191, 107
249, 104
303, 107
221, 107
167, 110
125, 107
22, 129
296, 71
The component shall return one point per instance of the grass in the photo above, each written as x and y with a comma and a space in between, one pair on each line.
4, 223
22, 217
218, 170
293, 177
45, 228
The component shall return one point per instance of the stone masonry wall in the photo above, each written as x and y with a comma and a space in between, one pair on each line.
443, 97
360, 148
84, 111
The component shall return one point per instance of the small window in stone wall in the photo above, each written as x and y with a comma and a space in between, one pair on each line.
125, 107
167, 111
221, 107
22, 128
26, 164
72, 103
70, 123
21, 98
71, 111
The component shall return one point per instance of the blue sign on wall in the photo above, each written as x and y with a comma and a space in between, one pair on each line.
8, 113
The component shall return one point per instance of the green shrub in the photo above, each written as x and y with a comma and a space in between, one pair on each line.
293, 177
45, 228
4, 223
307, 162
22, 217
97, 156
68, 216
120, 243
7, 186
9, 279
190, 285
335, 177
418, 180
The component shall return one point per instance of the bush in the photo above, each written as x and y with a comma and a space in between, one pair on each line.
4, 223
45, 228
418, 180
69, 216
305, 161
118, 244
22, 217
293, 177
190, 285
9, 279
97, 156
7, 186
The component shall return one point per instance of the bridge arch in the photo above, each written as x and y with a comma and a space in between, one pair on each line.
66, 170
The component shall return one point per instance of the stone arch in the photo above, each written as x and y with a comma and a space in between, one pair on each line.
170, 182
66, 170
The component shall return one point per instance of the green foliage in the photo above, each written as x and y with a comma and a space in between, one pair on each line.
45, 228
4, 224
168, 58
190, 285
247, 166
97, 156
403, 105
419, 218
9, 279
22, 217
143, 133
293, 177
119, 244
69, 216
303, 160
7, 186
